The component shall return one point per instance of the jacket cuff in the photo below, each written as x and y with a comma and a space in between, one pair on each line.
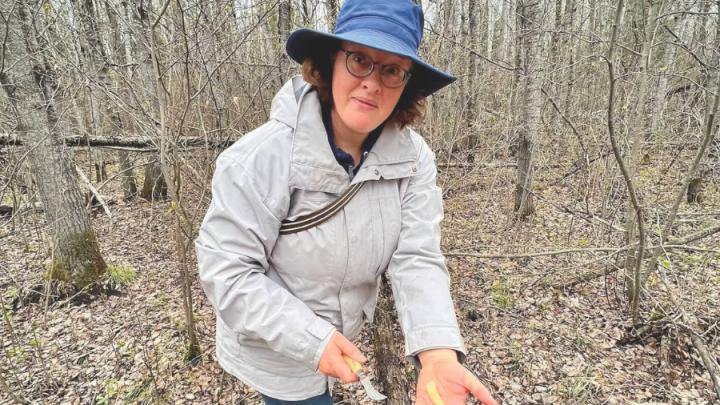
434, 337
322, 330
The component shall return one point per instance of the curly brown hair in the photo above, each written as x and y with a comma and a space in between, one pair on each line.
317, 71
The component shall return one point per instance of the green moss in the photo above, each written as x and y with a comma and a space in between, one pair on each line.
111, 390
77, 260
121, 275
501, 294
11, 293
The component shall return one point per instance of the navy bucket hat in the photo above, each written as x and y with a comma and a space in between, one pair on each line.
394, 26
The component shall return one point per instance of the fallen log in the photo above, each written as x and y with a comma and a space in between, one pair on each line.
136, 142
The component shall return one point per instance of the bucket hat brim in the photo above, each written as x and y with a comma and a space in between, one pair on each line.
303, 42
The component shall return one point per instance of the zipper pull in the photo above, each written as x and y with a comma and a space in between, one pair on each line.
351, 171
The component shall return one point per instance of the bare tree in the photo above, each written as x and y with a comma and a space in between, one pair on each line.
75, 256
284, 24
331, 9
531, 14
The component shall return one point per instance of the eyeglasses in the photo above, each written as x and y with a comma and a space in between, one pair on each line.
360, 65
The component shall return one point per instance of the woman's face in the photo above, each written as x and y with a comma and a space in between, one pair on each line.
361, 104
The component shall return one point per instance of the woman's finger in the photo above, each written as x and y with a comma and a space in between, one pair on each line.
344, 373
478, 390
346, 347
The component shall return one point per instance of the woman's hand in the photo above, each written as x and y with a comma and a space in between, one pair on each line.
332, 363
452, 382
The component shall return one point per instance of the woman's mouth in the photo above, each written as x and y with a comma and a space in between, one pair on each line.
365, 104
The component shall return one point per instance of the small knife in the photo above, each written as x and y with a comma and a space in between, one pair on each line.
357, 368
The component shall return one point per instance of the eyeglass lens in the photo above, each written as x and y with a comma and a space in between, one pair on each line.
360, 65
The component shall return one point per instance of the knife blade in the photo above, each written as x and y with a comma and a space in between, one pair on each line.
364, 377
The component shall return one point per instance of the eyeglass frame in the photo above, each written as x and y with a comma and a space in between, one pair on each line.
372, 68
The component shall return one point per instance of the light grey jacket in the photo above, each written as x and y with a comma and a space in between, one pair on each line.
279, 298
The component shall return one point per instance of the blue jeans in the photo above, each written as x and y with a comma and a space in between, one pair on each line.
322, 399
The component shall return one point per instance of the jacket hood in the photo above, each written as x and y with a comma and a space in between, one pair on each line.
286, 103
297, 106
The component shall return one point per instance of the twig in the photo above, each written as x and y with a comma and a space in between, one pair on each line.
691, 248
578, 167
685, 47
708, 360
538, 254
431, 29
703, 233
93, 191
699, 13
690, 175
4, 387
567, 121
592, 218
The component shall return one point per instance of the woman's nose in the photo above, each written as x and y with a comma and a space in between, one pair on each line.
372, 82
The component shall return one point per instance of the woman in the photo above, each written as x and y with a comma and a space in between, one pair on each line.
290, 302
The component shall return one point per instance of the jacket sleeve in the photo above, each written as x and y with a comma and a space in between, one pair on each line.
417, 271
233, 246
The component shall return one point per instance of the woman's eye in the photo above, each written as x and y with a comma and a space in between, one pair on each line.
359, 58
393, 70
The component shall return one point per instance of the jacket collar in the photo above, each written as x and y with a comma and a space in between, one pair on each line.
313, 165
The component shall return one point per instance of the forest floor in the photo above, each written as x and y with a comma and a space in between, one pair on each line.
533, 337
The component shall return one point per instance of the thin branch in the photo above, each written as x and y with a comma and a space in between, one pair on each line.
616, 150
708, 360
697, 13
557, 109
473, 52
685, 47
693, 237
690, 175
92, 189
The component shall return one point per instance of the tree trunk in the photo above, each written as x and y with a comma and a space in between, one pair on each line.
532, 105
387, 343
331, 8
306, 15
473, 137
284, 24
154, 186
490, 28
75, 257
122, 55
170, 168
570, 9
103, 116
638, 131
128, 177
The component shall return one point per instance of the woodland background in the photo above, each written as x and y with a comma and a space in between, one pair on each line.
578, 155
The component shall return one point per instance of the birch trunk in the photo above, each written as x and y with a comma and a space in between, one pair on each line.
331, 8
284, 11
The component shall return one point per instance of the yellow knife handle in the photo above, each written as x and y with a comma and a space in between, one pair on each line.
433, 393
354, 365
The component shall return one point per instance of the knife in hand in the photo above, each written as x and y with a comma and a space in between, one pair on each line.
364, 377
